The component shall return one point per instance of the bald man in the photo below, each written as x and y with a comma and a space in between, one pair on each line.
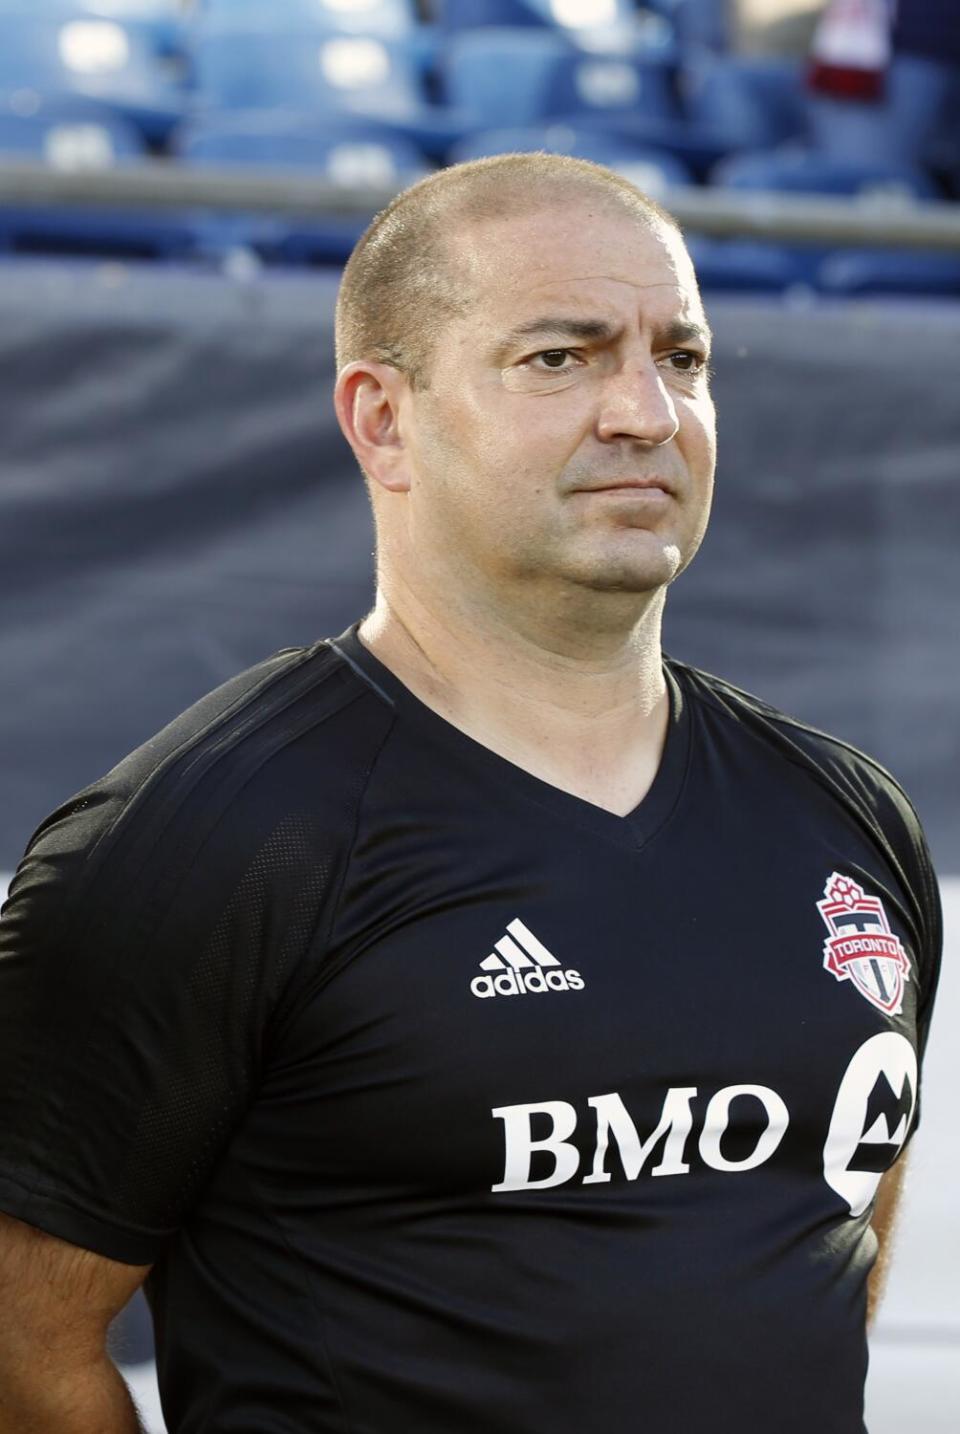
478, 1023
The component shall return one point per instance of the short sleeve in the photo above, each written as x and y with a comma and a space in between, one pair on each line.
150, 935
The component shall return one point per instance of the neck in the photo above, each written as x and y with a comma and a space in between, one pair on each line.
570, 690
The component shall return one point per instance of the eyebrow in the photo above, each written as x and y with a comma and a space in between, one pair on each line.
678, 331
682, 331
559, 326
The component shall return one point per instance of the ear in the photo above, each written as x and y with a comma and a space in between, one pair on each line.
367, 400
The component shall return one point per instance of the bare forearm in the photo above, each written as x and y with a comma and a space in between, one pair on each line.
882, 1220
48, 1400
876, 1283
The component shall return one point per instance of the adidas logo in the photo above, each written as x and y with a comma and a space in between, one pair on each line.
524, 964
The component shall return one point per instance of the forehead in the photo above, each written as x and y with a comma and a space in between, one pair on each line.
586, 255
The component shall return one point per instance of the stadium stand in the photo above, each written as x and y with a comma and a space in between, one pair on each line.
746, 103
137, 68
69, 135
369, 93
498, 76
311, 71
900, 272
802, 171
382, 19
795, 170
347, 151
653, 170
569, 14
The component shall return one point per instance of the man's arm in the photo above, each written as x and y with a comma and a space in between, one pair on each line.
882, 1220
56, 1303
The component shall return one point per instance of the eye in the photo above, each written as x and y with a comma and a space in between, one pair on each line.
689, 361
553, 358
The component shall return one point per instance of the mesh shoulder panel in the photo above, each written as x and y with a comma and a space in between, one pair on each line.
153, 928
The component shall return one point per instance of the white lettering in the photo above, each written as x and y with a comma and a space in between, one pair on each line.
717, 1119
676, 1121
520, 1144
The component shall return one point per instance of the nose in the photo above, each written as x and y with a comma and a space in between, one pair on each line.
637, 405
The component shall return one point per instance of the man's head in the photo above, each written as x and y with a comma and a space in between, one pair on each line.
517, 339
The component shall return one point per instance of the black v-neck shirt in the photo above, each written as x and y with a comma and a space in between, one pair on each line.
634, 829
444, 1101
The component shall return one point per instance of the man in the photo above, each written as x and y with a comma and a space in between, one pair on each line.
476, 1024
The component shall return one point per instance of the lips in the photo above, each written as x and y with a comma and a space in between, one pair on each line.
656, 484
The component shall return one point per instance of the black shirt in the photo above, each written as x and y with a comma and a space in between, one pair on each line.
444, 1101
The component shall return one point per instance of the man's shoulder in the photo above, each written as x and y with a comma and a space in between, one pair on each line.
281, 741
850, 773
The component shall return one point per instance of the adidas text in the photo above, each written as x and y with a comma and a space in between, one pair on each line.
518, 983
520, 963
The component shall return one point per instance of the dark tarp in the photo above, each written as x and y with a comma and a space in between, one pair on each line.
176, 503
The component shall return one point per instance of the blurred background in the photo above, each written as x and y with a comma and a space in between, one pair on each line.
179, 186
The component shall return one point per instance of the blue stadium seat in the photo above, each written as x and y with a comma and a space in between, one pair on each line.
700, 25
312, 72
609, 85
890, 272
347, 151
515, 77
572, 15
799, 171
136, 11
351, 152
453, 15
499, 76
69, 136
746, 103
306, 69
802, 172
747, 266
381, 19
128, 66
651, 170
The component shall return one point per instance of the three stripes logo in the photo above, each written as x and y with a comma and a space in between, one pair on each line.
520, 964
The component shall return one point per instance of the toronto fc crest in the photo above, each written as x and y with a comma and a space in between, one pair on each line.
861, 947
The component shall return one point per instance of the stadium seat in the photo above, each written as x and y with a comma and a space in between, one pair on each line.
499, 76
347, 151
137, 11
699, 25
800, 171
350, 152
380, 19
745, 103
307, 70
607, 85
890, 272
124, 66
314, 73
454, 15
747, 266
102, 233
516, 77
70, 137
651, 170
576, 16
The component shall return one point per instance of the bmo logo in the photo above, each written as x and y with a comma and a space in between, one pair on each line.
742, 1128
665, 1149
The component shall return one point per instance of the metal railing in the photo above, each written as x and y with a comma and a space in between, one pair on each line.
880, 219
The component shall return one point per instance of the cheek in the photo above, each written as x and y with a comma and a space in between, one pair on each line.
698, 436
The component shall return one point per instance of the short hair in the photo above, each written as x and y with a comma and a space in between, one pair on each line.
400, 283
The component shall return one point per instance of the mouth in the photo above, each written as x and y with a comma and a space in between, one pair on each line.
652, 486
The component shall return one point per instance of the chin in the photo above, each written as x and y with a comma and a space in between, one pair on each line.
634, 572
